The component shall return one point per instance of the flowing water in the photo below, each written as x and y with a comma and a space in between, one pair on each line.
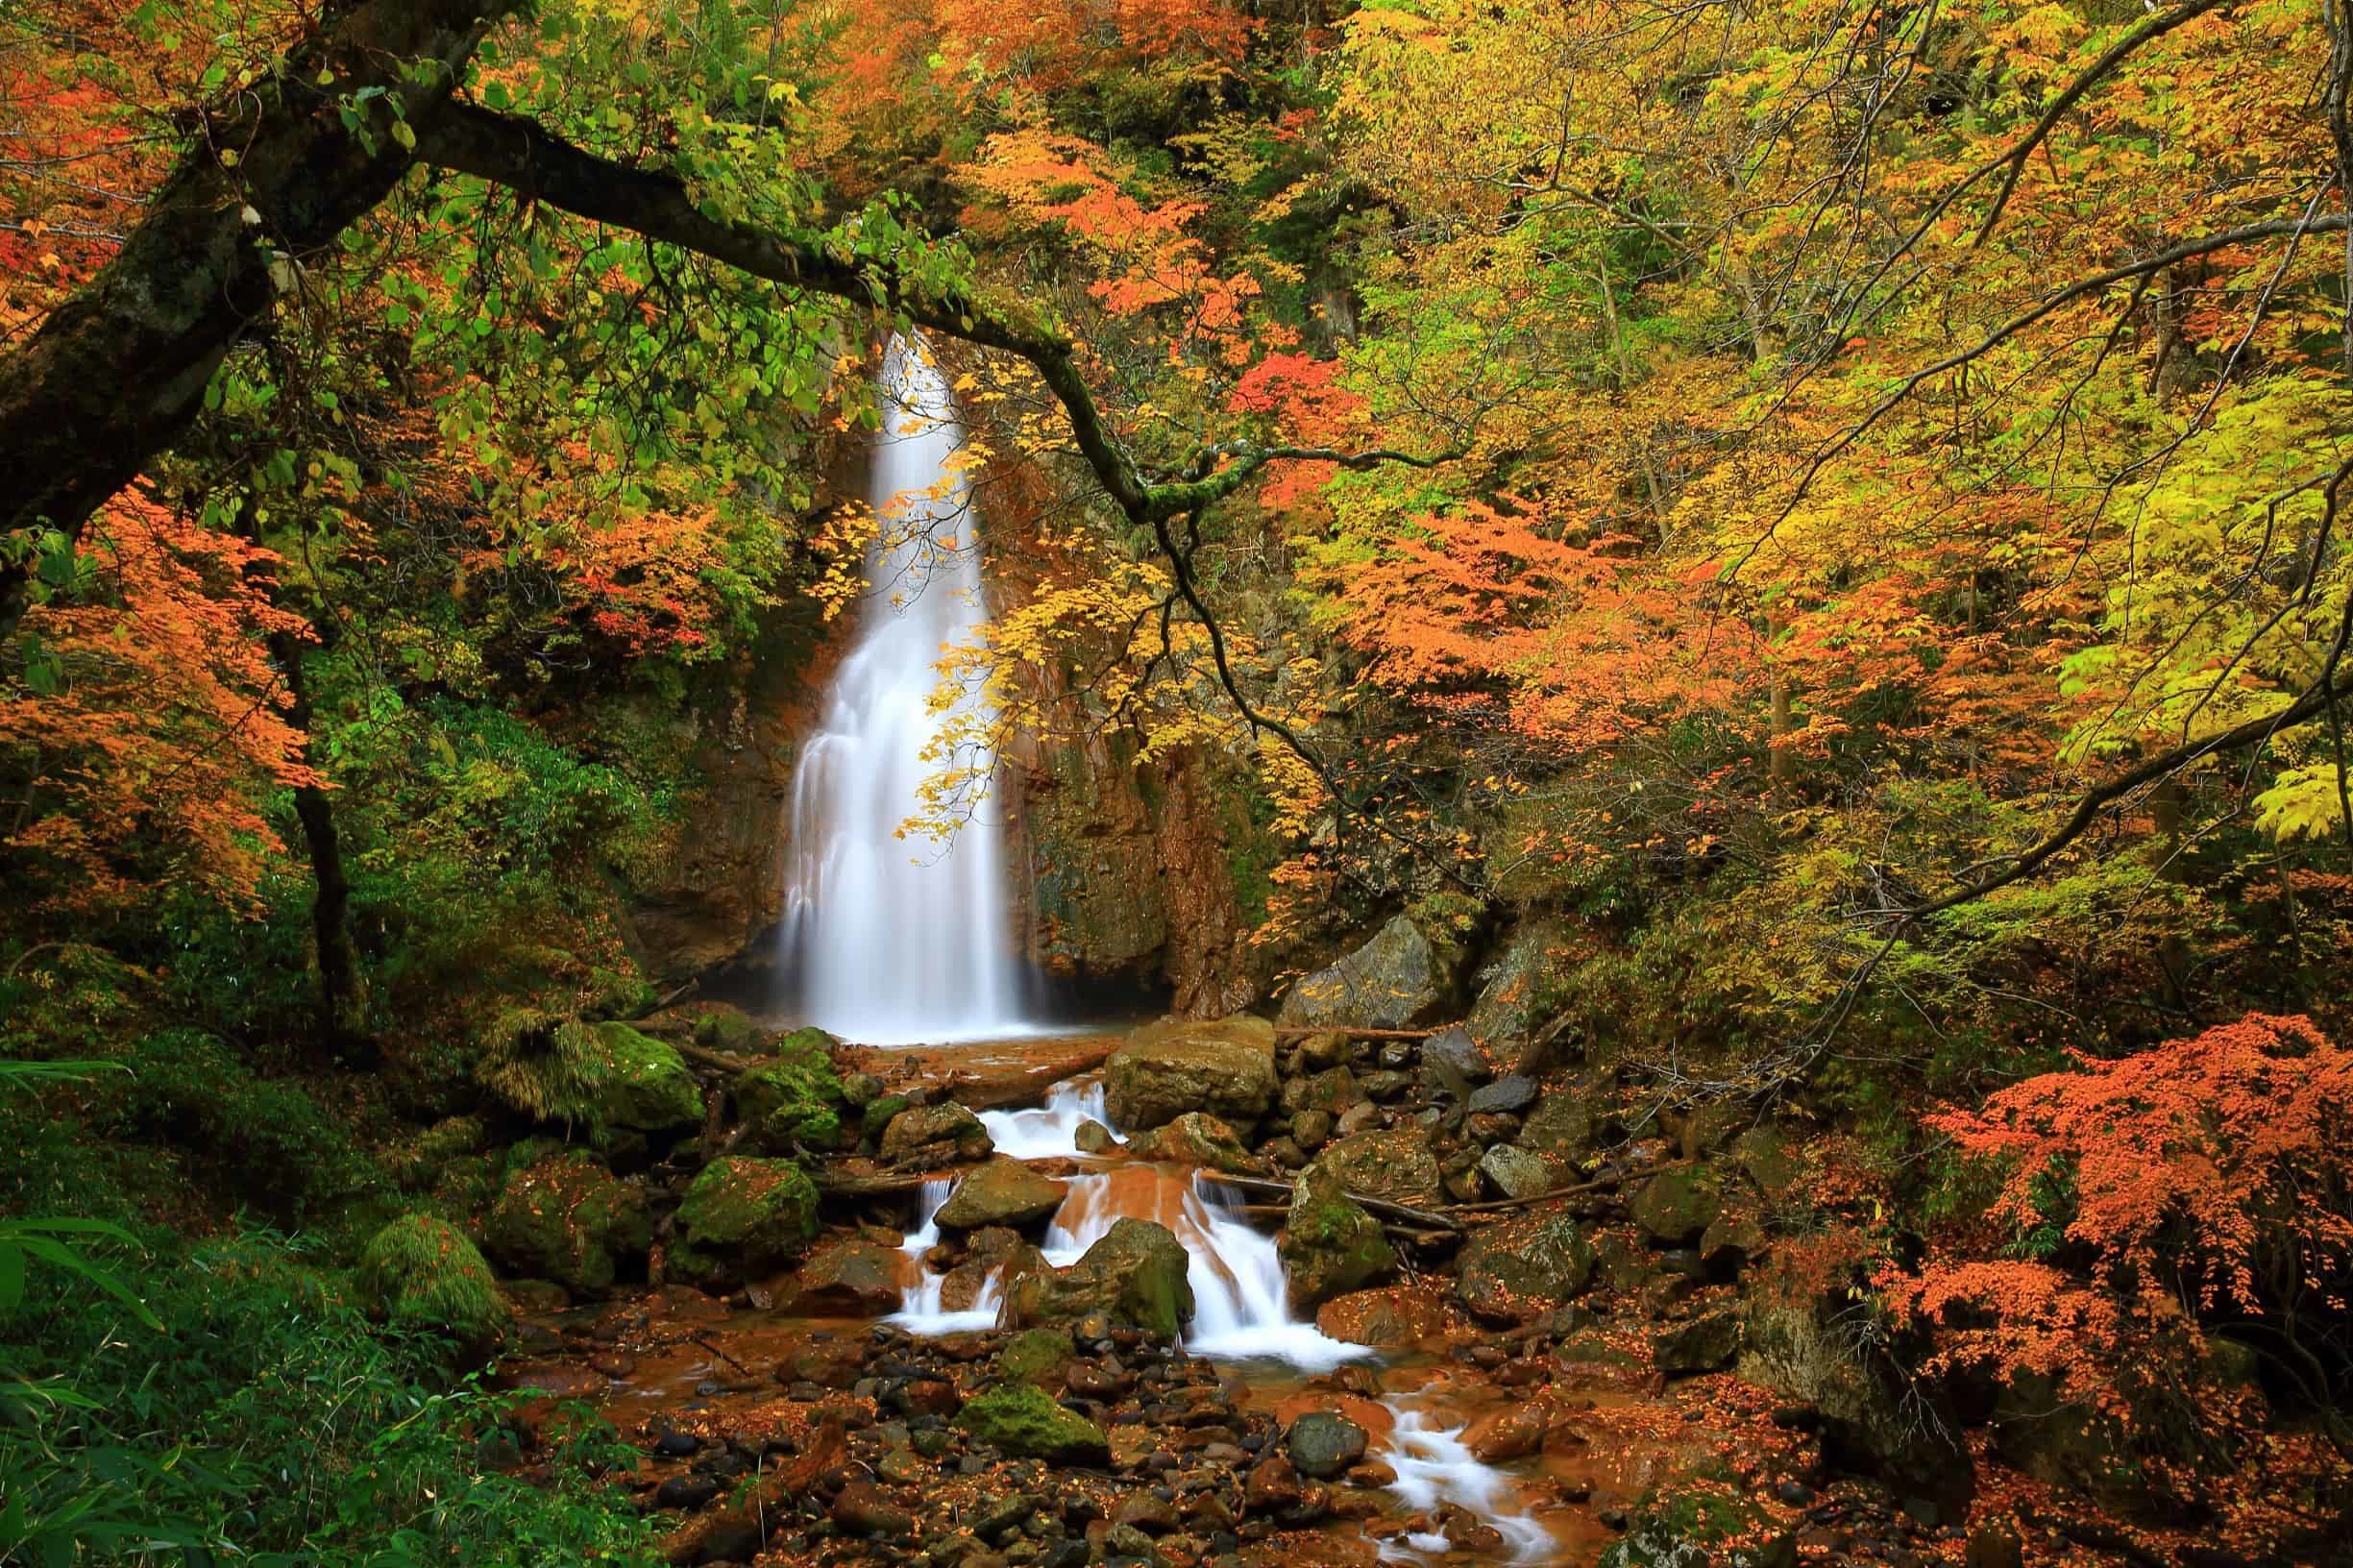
900, 940
1435, 1469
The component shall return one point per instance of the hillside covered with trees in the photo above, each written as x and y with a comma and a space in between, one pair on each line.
1695, 654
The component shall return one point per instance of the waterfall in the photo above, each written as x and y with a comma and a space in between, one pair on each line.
1435, 1469
903, 941
1050, 1131
922, 1306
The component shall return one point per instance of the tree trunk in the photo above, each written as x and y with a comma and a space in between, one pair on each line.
116, 372
341, 1018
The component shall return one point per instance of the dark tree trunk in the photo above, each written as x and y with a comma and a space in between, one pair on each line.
117, 370
342, 1016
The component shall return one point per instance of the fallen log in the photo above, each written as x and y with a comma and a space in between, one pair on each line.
1403, 1232
708, 1056
1301, 1031
1379, 1208
1598, 1183
994, 1091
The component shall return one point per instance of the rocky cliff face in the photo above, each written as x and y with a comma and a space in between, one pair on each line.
720, 892
1130, 873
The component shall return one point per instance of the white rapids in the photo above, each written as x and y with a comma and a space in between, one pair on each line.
1434, 1469
922, 1306
903, 941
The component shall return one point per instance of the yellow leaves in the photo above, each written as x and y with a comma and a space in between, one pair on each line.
2303, 803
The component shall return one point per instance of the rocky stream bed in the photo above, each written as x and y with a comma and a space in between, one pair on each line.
1211, 1293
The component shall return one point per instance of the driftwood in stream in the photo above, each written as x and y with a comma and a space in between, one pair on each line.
1301, 1031
888, 1185
1614, 1178
708, 1056
1397, 1228
1259, 1186
994, 1091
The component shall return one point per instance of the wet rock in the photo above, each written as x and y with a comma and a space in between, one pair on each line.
1731, 1240
1273, 1486
1706, 1343
1021, 1420
1871, 1418
1199, 1138
1334, 1089
793, 1098
823, 1363
1395, 981
1284, 1152
1385, 1319
1322, 1444
1454, 1062
1162, 1070
1396, 1166
1514, 1002
678, 1445
1328, 1050
1035, 1356
1519, 1173
1330, 1245
1144, 1511
1509, 1433
1563, 1124
1490, 1127
567, 1219
1135, 1275
847, 1279
1676, 1207
1765, 1157
1094, 1138
1513, 1092
1524, 1267
1001, 1193
742, 1216
860, 1089
1383, 1088
947, 1128
420, 1272
1311, 1129
861, 1509
687, 1493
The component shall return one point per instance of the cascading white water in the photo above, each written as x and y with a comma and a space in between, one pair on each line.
903, 941
1050, 1131
922, 1308
1434, 1469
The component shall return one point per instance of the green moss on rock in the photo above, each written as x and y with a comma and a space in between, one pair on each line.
1330, 1245
1020, 1419
420, 1272
741, 1216
567, 1219
795, 1097
647, 1087
1035, 1356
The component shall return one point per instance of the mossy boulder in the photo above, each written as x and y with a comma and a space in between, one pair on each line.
730, 1029
1674, 1208
1136, 1275
1564, 1124
1001, 1193
1022, 1420
567, 1219
742, 1216
1516, 994
792, 1097
1330, 1245
1396, 1166
1702, 1520
937, 1134
1524, 1267
418, 1165
420, 1272
644, 1085
1224, 1067
1398, 979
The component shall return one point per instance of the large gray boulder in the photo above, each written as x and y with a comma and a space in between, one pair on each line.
1225, 1067
1395, 981
1524, 1267
1514, 1002
1135, 1275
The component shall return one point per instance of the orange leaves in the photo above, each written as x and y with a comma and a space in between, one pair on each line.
2222, 1135
167, 715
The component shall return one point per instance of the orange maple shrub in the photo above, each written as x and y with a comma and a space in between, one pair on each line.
162, 728
2203, 1180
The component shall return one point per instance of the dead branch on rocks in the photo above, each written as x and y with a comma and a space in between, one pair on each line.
1259, 1186
1300, 1031
1598, 1183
